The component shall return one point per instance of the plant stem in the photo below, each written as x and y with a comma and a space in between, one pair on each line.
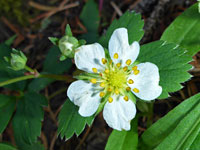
66, 78
29, 69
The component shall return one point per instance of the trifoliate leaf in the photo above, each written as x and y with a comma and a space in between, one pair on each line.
71, 122
90, 18
177, 130
172, 62
124, 140
7, 107
27, 121
184, 30
130, 20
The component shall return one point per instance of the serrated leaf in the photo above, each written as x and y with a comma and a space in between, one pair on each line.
27, 120
184, 30
177, 130
70, 121
4, 146
90, 18
53, 65
172, 62
7, 107
124, 140
130, 20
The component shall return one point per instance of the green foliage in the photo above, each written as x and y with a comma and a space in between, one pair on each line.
172, 62
124, 140
12, 9
51, 65
4, 146
130, 20
27, 120
7, 107
177, 130
184, 31
90, 18
70, 121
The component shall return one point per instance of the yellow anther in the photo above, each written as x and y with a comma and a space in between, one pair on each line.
118, 65
101, 94
102, 84
104, 61
128, 62
130, 81
136, 90
94, 81
125, 68
94, 70
128, 89
110, 62
106, 71
116, 92
109, 89
116, 56
134, 68
126, 98
136, 72
101, 74
110, 99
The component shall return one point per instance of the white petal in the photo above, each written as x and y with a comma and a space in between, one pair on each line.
119, 113
83, 94
90, 56
119, 44
147, 81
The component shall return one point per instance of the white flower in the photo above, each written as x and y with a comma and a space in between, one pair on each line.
113, 79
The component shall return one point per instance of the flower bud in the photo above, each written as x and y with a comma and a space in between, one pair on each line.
67, 45
17, 61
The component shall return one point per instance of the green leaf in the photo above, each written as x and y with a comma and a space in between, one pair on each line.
10, 41
172, 62
33, 146
53, 65
196, 143
7, 107
90, 18
184, 30
130, 20
4, 146
27, 120
124, 140
70, 121
177, 130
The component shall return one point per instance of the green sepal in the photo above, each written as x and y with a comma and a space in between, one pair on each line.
68, 30
54, 40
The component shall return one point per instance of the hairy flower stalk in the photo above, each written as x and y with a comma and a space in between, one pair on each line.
114, 79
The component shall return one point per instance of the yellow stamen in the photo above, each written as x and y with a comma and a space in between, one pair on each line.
128, 62
94, 70
94, 81
128, 89
136, 90
102, 84
134, 68
104, 61
102, 94
106, 71
125, 68
109, 89
126, 98
136, 72
116, 56
130, 81
110, 99
101, 74
118, 65
110, 62
116, 92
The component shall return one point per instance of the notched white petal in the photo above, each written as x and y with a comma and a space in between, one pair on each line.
146, 82
83, 94
119, 44
119, 113
89, 56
